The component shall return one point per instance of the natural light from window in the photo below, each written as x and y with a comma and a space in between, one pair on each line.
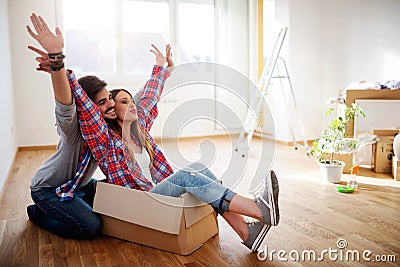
270, 27
196, 31
114, 37
89, 34
144, 23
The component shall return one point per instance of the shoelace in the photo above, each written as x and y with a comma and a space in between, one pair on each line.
250, 221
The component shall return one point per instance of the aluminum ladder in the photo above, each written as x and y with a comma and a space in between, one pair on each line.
264, 82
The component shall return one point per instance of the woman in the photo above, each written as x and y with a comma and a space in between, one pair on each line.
115, 148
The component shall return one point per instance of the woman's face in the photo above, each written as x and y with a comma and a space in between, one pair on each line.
125, 107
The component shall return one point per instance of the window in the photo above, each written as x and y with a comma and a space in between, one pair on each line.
89, 35
270, 27
114, 36
111, 38
143, 23
196, 31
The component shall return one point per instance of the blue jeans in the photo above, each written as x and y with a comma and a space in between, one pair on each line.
71, 219
199, 181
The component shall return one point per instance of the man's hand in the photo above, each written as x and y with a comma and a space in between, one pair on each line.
43, 59
52, 43
160, 59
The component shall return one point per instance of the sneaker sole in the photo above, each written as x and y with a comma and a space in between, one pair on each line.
260, 238
273, 189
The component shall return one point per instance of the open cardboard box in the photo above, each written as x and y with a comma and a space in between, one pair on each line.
176, 224
382, 150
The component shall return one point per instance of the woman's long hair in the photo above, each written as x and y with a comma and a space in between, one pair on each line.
135, 130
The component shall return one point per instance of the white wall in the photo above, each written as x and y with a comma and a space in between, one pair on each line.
34, 104
334, 43
8, 142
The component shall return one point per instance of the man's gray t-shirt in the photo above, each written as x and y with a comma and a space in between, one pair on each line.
62, 166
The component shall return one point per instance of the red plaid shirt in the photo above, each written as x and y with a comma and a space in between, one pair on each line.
107, 147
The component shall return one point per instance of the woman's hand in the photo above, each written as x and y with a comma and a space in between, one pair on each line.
169, 56
43, 59
50, 42
160, 59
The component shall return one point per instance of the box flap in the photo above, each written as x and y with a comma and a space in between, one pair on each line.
155, 211
385, 132
385, 139
195, 209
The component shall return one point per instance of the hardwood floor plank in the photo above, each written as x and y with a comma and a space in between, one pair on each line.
32, 243
102, 259
111, 246
88, 260
46, 257
2, 230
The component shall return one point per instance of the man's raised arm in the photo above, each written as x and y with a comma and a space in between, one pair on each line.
53, 44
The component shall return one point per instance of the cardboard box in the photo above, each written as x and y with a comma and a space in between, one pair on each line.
386, 132
179, 225
347, 159
383, 150
396, 168
383, 154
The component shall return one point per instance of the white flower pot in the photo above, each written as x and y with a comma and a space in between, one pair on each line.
332, 173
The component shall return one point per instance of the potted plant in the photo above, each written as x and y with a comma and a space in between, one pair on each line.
334, 140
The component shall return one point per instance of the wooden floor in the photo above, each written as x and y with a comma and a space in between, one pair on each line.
313, 218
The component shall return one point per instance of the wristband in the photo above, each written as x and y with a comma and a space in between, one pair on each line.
56, 56
56, 61
57, 68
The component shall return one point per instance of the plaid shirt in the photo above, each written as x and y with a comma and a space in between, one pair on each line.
66, 190
107, 147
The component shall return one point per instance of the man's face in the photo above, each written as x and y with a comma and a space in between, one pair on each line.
106, 104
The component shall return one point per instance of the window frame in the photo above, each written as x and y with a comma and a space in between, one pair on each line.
122, 78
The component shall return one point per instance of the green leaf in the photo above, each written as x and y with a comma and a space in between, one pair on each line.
331, 138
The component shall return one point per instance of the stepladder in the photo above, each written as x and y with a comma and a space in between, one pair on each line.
274, 68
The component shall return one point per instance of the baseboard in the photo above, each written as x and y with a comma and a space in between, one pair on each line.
9, 174
11, 170
30, 148
309, 143
188, 138
256, 134
287, 143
